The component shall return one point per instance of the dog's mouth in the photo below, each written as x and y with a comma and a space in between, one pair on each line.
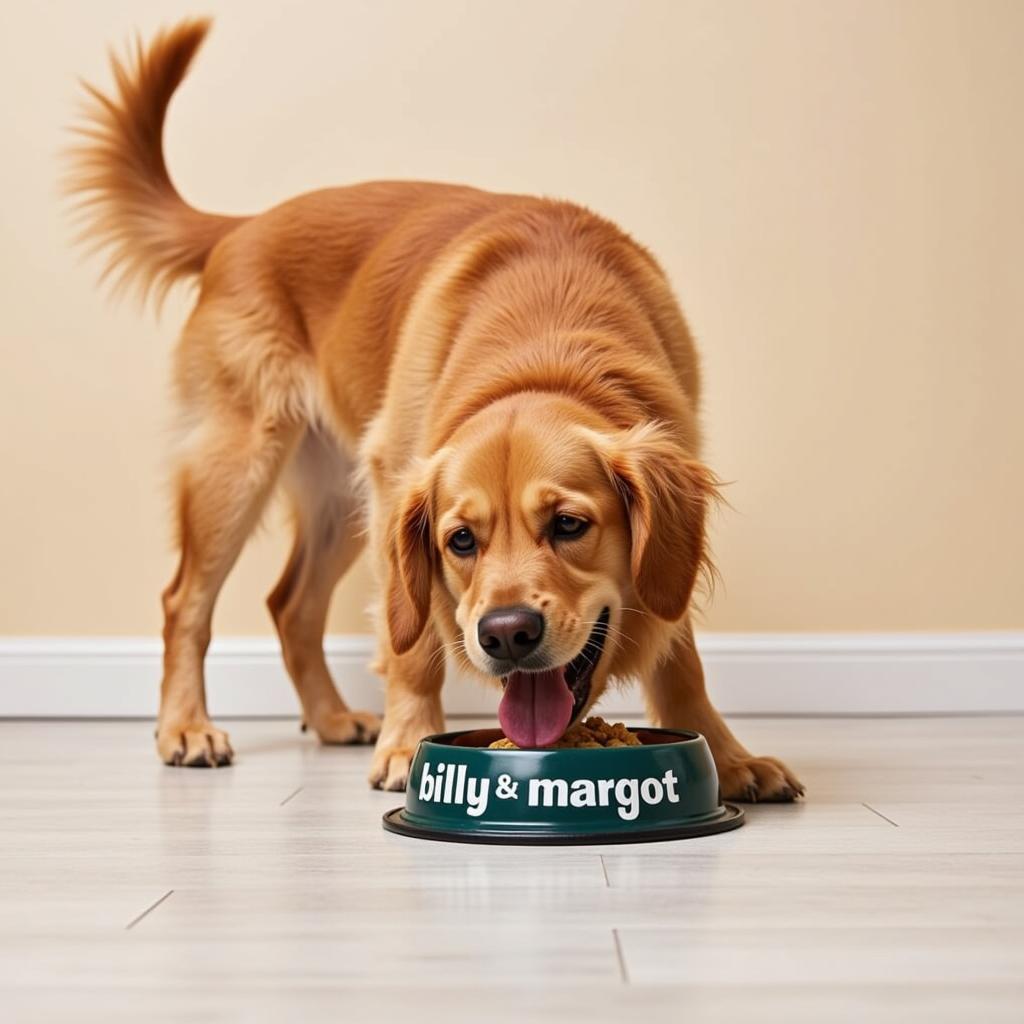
537, 707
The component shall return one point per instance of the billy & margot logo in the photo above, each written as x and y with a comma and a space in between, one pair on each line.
452, 784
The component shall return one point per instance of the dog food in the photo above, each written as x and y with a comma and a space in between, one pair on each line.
594, 732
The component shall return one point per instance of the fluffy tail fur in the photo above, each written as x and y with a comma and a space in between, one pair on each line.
129, 205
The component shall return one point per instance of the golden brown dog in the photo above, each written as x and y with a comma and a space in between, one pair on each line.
502, 387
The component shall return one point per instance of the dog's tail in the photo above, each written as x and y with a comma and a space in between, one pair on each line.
129, 205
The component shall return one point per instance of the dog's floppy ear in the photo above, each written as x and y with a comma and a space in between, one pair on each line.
411, 563
666, 495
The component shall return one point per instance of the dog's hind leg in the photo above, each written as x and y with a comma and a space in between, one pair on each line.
328, 537
223, 480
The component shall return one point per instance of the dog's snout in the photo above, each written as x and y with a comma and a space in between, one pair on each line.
510, 634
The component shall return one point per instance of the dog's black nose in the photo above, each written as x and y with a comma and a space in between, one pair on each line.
509, 634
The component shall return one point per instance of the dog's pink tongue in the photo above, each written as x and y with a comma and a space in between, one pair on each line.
536, 708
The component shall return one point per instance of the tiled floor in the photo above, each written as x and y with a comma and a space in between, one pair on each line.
269, 891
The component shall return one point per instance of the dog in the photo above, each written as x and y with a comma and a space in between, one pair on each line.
498, 393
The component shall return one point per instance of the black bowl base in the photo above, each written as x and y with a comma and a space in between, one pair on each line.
394, 821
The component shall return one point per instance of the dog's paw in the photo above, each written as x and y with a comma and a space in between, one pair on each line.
390, 767
194, 745
757, 779
347, 727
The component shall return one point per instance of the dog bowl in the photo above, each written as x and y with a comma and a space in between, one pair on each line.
461, 791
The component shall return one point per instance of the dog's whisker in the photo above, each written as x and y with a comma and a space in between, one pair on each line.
445, 650
606, 629
638, 611
441, 652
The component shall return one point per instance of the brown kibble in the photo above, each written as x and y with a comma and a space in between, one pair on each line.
592, 734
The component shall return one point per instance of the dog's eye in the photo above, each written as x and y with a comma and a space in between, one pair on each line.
462, 541
566, 527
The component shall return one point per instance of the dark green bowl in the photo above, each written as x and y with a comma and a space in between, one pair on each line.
461, 791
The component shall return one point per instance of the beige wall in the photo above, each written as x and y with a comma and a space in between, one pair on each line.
834, 187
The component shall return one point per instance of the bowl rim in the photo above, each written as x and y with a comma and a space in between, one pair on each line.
681, 737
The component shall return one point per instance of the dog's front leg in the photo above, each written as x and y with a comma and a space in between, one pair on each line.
412, 707
677, 699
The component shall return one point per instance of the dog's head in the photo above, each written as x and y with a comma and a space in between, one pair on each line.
529, 536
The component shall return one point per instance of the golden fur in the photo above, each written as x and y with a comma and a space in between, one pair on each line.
420, 357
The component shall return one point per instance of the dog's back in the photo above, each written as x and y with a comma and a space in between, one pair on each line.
326, 277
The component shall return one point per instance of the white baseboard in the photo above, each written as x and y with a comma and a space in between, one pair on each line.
857, 673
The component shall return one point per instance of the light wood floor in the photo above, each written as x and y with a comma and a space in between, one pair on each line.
268, 891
